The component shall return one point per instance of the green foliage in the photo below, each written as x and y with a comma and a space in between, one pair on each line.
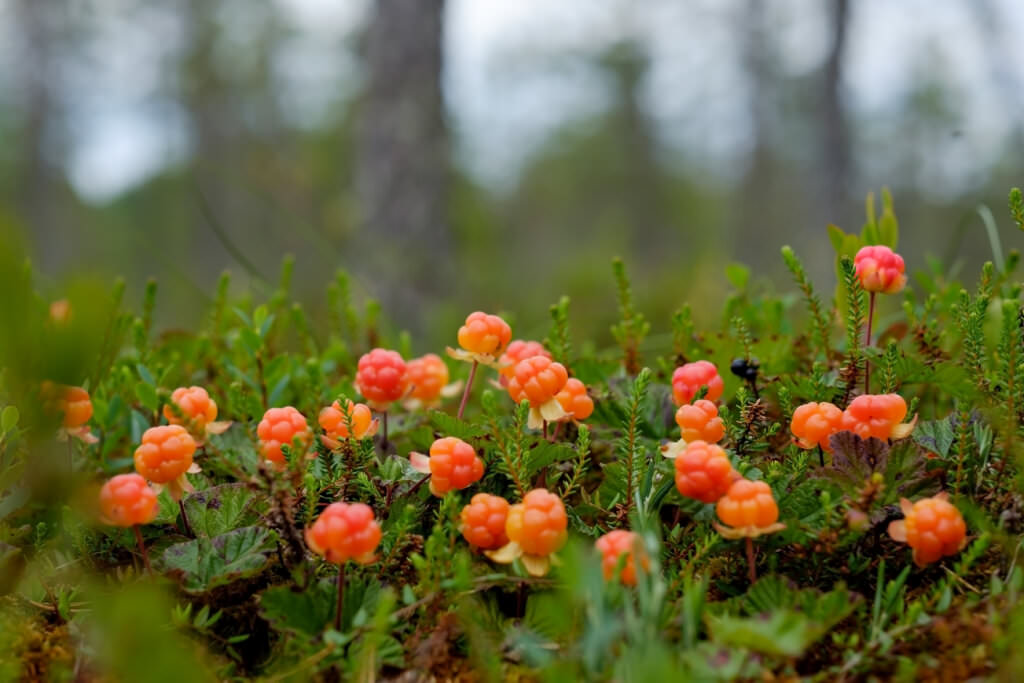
204, 564
631, 329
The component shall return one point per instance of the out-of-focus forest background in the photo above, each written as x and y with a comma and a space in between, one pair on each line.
495, 154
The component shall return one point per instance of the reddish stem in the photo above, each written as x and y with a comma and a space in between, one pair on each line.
469, 386
750, 560
384, 432
341, 596
867, 343
184, 518
142, 548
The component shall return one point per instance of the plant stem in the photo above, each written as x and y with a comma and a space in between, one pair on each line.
341, 595
417, 485
750, 560
384, 432
821, 455
469, 386
544, 430
867, 343
184, 518
142, 548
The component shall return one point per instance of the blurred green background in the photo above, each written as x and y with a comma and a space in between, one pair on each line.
486, 154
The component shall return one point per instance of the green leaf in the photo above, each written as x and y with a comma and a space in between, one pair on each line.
145, 374
204, 564
738, 275
139, 425
220, 509
836, 236
546, 454
449, 425
936, 436
301, 612
8, 419
146, 394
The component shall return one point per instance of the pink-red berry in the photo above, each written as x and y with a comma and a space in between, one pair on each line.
688, 379
126, 500
382, 377
880, 269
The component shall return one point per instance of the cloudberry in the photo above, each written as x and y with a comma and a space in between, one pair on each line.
73, 403
382, 377
814, 423
612, 546
334, 422
574, 400
428, 381
880, 269
483, 521
536, 528
452, 465
748, 509
933, 527
703, 472
126, 500
60, 311
700, 422
283, 427
483, 334
195, 409
518, 350
539, 380
877, 415
165, 456
343, 532
688, 379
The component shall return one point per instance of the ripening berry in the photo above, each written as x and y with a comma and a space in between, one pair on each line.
703, 472
933, 527
612, 546
688, 379
73, 403
537, 379
343, 532
517, 351
880, 269
484, 334
126, 500
282, 427
194, 406
538, 524
60, 311
382, 377
333, 421
165, 453
428, 376
700, 422
875, 415
748, 505
453, 465
483, 521
814, 423
574, 399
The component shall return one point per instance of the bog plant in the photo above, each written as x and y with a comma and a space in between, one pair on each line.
839, 497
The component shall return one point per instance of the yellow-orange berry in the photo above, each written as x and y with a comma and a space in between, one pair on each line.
934, 528
688, 379
814, 423
343, 532
699, 421
518, 350
483, 521
126, 500
194, 406
874, 415
428, 375
282, 427
574, 399
165, 453
537, 379
454, 465
72, 403
382, 376
748, 504
880, 269
484, 334
333, 420
614, 545
538, 524
703, 472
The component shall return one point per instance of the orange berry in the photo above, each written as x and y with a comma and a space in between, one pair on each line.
282, 427
382, 377
748, 504
483, 521
688, 379
538, 524
880, 269
126, 500
194, 405
428, 375
874, 415
574, 399
934, 528
700, 422
484, 334
814, 423
343, 532
72, 403
333, 420
60, 311
454, 465
517, 351
165, 453
537, 379
613, 545
703, 472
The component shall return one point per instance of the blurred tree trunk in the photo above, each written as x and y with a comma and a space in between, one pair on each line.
402, 173
835, 144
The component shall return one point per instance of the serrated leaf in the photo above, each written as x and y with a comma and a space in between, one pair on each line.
546, 454
311, 611
204, 564
936, 436
220, 509
449, 425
